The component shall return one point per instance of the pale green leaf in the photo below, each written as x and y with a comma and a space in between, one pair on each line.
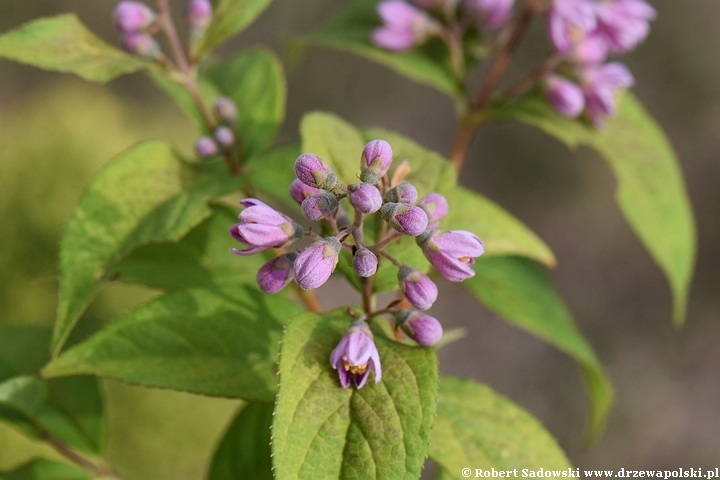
244, 452
64, 44
42, 469
321, 430
229, 18
220, 342
651, 192
477, 428
351, 31
256, 82
147, 194
521, 292
201, 259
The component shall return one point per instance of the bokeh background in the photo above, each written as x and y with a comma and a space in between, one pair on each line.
56, 131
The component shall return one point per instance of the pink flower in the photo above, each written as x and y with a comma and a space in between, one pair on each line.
565, 96
601, 84
356, 355
421, 327
261, 227
569, 21
417, 287
375, 161
624, 23
403, 26
276, 274
452, 252
131, 17
406, 219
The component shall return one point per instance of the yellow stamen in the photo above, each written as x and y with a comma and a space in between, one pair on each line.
465, 259
355, 369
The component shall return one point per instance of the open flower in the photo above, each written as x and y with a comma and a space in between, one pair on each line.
569, 21
624, 23
452, 252
356, 355
261, 227
601, 86
565, 96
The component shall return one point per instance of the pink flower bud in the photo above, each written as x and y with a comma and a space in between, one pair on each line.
417, 287
131, 17
421, 327
316, 263
356, 355
624, 23
227, 110
261, 227
199, 14
569, 21
276, 274
319, 206
565, 96
312, 171
436, 207
225, 136
375, 161
601, 85
206, 147
364, 197
142, 44
402, 193
299, 191
403, 26
451, 252
365, 262
406, 219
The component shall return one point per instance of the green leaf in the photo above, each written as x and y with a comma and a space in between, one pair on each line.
272, 172
478, 428
244, 452
501, 233
222, 342
147, 194
178, 92
351, 30
64, 44
70, 408
229, 18
321, 430
651, 192
521, 292
42, 469
256, 82
200, 259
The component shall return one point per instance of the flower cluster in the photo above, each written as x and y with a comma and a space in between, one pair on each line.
405, 25
586, 33
321, 196
223, 137
138, 23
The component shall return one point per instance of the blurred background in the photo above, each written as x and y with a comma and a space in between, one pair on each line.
56, 131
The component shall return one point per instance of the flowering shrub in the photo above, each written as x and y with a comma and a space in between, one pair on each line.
352, 392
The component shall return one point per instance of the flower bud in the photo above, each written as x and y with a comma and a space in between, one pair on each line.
565, 96
316, 263
421, 327
131, 17
226, 110
435, 206
225, 136
261, 227
299, 191
452, 252
364, 197
402, 193
320, 205
365, 262
277, 273
375, 161
417, 287
356, 355
312, 171
206, 147
406, 219
142, 44
199, 14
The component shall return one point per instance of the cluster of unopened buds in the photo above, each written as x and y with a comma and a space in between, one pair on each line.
584, 33
223, 137
138, 23
317, 190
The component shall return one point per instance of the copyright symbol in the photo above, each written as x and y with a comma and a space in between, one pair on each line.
466, 472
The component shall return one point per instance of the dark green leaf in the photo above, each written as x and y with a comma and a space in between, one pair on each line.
147, 194
351, 30
244, 453
42, 469
520, 291
229, 17
70, 408
321, 430
220, 342
201, 259
256, 82
477, 428
272, 172
64, 44
651, 192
